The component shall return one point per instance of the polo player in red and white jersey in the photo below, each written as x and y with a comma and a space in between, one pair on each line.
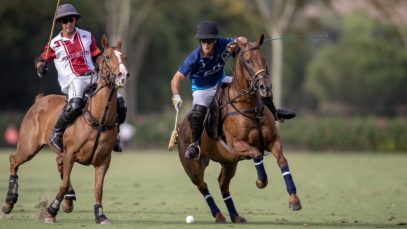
73, 50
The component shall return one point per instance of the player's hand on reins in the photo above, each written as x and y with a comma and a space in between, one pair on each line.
177, 101
42, 68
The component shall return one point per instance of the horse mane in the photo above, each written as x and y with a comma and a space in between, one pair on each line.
39, 96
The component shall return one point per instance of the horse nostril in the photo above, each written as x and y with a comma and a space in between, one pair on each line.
120, 74
127, 75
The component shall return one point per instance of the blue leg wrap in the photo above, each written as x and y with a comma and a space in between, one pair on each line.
288, 180
211, 202
230, 205
261, 172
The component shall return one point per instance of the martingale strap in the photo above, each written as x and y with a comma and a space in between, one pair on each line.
102, 123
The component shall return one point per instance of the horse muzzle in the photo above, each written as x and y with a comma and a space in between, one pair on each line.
121, 80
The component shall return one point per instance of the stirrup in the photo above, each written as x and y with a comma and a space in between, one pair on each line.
193, 154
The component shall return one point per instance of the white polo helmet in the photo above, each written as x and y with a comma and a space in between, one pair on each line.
66, 10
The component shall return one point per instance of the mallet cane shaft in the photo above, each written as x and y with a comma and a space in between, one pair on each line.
174, 133
52, 32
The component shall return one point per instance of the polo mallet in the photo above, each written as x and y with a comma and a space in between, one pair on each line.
51, 33
324, 36
173, 138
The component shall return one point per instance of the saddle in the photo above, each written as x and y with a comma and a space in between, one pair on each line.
213, 123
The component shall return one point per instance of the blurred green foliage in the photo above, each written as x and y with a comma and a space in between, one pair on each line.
365, 72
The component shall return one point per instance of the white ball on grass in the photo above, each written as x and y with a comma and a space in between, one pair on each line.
190, 219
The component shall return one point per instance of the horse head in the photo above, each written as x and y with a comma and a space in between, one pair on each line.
252, 64
113, 64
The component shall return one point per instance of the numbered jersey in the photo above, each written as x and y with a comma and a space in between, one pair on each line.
72, 57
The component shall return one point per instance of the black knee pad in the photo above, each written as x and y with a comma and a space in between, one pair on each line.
121, 109
197, 115
73, 109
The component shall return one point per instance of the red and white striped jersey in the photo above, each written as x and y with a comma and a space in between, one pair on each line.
72, 57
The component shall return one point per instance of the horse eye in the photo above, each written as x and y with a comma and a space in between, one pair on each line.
248, 61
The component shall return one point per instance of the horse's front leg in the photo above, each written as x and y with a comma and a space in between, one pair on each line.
244, 150
294, 202
70, 196
52, 211
100, 172
227, 173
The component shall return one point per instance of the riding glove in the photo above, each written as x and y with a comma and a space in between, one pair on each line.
232, 48
42, 69
177, 101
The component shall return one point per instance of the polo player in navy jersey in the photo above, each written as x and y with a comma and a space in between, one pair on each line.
204, 66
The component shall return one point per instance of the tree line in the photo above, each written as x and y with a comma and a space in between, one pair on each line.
361, 69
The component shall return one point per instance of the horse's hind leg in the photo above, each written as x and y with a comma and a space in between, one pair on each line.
53, 208
25, 151
195, 170
100, 172
70, 196
294, 202
227, 173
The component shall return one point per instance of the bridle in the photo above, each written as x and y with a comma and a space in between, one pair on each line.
109, 81
254, 78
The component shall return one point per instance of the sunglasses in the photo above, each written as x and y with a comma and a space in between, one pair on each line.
207, 41
68, 19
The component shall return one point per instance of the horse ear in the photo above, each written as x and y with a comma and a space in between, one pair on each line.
104, 41
260, 40
119, 44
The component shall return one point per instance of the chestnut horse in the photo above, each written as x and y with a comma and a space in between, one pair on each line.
247, 129
88, 141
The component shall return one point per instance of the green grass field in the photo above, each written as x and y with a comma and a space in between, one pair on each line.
149, 189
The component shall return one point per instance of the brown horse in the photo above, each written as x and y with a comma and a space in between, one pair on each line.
247, 129
89, 141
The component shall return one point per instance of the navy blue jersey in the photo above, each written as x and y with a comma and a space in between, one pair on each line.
206, 72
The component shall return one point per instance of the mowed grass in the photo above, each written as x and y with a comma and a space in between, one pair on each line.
149, 189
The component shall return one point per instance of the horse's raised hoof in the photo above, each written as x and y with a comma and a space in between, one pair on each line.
219, 218
294, 203
67, 206
49, 219
239, 219
106, 221
261, 184
7, 208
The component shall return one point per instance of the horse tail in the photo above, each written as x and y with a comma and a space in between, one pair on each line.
39, 96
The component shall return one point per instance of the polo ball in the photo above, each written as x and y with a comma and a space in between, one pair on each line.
190, 219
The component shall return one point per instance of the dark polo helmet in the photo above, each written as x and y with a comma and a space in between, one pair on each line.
207, 30
66, 10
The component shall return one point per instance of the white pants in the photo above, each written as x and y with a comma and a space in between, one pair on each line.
205, 97
77, 86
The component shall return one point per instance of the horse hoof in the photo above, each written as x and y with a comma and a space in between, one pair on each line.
219, 218
261, 184
67, 206
49, 220
295, 206
239, 219
106, 221
7, 208
294, 203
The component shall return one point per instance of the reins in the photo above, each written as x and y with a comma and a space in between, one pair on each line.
100, 127
258, 110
